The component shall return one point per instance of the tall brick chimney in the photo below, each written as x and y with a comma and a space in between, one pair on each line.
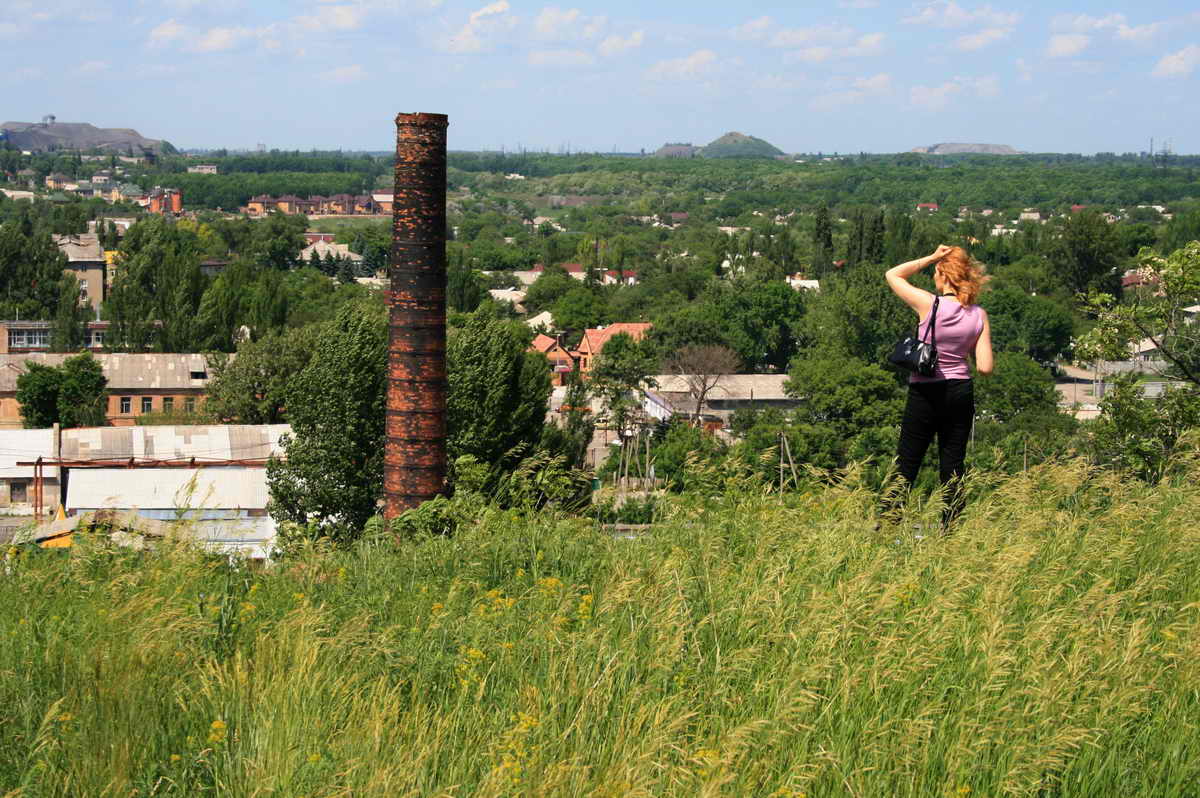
415, 455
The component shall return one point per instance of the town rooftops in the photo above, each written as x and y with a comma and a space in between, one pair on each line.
543, 343
23, 445
167, 488
80, 247
765, 387
595, 339
205, 442
324, 249
125, 371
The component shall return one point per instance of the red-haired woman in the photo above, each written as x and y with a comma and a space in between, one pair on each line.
944, 404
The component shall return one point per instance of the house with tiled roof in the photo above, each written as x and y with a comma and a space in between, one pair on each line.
561, 361
594, 340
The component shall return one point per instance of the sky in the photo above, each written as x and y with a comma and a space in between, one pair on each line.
620, 75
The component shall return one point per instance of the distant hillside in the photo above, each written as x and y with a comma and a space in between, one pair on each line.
41, 137
739, 145
967, 149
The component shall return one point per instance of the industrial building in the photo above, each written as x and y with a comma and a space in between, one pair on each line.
213, 477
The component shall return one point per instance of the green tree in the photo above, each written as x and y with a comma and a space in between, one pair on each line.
1034, 325
254, 386
82, 394
276, 241
464, 287
37, 394
822, 245
1018, 385
1086, 249
1141, 436
1161, 314
72, 394
621, 374
69, 332
497, 390
844, 393
332, 474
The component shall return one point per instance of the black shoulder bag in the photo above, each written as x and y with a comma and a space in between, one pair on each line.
915, 354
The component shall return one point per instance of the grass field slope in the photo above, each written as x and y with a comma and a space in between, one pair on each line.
748, 645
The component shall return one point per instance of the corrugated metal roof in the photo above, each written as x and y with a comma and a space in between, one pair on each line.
231, 487
730, 386
202, 441
125, 371
24, 444
80, 247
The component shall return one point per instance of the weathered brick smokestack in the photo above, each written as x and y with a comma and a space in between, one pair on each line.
415, 457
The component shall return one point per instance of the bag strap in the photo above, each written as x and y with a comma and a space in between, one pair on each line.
933, 322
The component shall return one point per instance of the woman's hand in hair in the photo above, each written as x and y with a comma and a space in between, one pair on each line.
939, 253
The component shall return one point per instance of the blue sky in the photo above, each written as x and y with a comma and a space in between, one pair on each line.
838, 76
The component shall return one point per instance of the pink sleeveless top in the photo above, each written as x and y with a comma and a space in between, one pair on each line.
958, 328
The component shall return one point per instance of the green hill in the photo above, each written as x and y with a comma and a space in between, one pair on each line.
739, 145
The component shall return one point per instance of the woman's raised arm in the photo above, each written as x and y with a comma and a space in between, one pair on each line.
897, 278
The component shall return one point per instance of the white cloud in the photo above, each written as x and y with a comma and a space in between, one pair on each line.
689, 67
860, 89
561, 58
949, 14
1024, 70
869, 44
977, 41
555, 24
937, 97
217, 39
858, 3
1178, 64
753, 30
92, 67
865, 45
165, 33
615, 44
332, 17
809, 55
874, 85
816, 36
1117, 23
490, 19
345, 74
1065, 45
933, 97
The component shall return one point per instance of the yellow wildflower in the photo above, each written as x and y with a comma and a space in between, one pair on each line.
175, 757
314, 758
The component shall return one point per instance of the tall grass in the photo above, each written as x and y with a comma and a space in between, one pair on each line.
746, 646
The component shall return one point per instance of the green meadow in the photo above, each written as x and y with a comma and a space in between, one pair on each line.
747, 645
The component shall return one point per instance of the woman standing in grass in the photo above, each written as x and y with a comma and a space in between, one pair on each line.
944, 404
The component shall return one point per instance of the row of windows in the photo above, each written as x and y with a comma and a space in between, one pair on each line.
147, 404
40, 339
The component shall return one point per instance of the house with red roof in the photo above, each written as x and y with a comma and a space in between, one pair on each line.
594, 340
561, 361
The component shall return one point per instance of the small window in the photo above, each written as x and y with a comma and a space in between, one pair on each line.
18, 493
126, 404
189, 404
147, 404
168, 404
199, 375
